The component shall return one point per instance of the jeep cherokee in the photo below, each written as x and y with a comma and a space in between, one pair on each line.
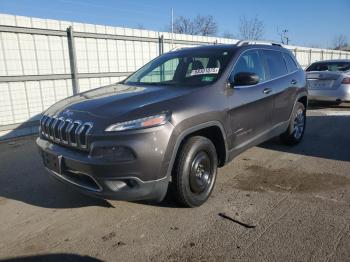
173, 122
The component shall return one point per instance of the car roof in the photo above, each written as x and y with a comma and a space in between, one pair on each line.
207, 47
333, 60
225, 47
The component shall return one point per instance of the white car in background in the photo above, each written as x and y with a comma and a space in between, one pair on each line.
329, 81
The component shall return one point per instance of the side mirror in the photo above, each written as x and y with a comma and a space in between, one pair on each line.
244, 79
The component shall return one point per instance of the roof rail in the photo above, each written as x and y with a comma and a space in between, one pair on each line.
179, 48
175, 49
256, 42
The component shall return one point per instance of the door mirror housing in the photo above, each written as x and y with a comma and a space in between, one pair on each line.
244, 79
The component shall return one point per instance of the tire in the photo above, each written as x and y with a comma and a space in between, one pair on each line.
194, 173
295, 132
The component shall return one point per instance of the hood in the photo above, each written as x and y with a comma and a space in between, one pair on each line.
115, 100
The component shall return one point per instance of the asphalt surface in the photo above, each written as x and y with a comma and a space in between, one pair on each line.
279, 203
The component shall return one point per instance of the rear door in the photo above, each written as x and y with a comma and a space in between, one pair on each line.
250, 107
284, 83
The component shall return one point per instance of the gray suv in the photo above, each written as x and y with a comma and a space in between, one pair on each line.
171, 124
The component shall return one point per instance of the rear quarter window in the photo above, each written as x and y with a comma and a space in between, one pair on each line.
290, 62
275, 63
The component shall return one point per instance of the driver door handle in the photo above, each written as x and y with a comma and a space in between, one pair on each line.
294, 82
267, 91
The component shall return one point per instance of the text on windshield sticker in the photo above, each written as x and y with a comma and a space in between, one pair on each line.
205, 71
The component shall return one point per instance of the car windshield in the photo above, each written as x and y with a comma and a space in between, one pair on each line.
183, 68
329, 66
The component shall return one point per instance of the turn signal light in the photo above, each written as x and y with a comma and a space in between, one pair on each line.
346, 80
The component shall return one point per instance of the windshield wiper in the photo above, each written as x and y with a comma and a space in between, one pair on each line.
152, 83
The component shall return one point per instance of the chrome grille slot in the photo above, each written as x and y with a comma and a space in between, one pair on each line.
52, 127
42, 124
73, 130
47, 126
66, 131
82, 134
58, 136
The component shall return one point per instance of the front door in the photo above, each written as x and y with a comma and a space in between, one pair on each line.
250, 107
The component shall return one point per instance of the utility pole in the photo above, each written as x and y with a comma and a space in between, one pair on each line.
285, 37
172, 28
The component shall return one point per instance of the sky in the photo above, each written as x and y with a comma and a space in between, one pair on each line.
309, 22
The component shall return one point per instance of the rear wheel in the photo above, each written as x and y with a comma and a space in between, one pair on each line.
295, 132
195, 171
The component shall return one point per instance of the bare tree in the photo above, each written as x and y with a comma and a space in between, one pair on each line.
183, 25
205, 25
228, 34
315, 46
140, 26
283, 34
251, 29
201, 25
340, 41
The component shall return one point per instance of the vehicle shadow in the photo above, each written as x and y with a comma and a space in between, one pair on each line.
325, 137
24, 178
52, 258
168, 202
29, 127
328, 105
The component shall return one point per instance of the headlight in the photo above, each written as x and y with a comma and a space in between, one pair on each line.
146, 122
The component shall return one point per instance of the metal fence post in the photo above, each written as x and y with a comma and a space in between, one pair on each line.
161, 45
73, 60
310, 56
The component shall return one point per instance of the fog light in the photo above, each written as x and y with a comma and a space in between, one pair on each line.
113, 153
116, 185
131, 183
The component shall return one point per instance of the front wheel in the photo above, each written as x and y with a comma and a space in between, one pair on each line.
195, 171
295, 132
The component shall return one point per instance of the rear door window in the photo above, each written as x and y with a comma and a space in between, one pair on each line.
275, 63
291, 65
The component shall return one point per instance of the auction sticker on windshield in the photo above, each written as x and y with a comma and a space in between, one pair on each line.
205, 71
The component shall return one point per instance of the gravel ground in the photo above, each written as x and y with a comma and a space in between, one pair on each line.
293, 205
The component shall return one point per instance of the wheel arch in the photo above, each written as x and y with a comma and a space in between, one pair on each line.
303, 99
213, 130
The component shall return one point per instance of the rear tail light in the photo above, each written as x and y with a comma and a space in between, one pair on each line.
346, 80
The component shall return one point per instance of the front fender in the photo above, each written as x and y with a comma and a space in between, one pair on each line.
181, 132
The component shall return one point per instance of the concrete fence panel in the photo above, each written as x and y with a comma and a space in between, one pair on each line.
43, 61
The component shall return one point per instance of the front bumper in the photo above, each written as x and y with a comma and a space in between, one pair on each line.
145, 177
340, 94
